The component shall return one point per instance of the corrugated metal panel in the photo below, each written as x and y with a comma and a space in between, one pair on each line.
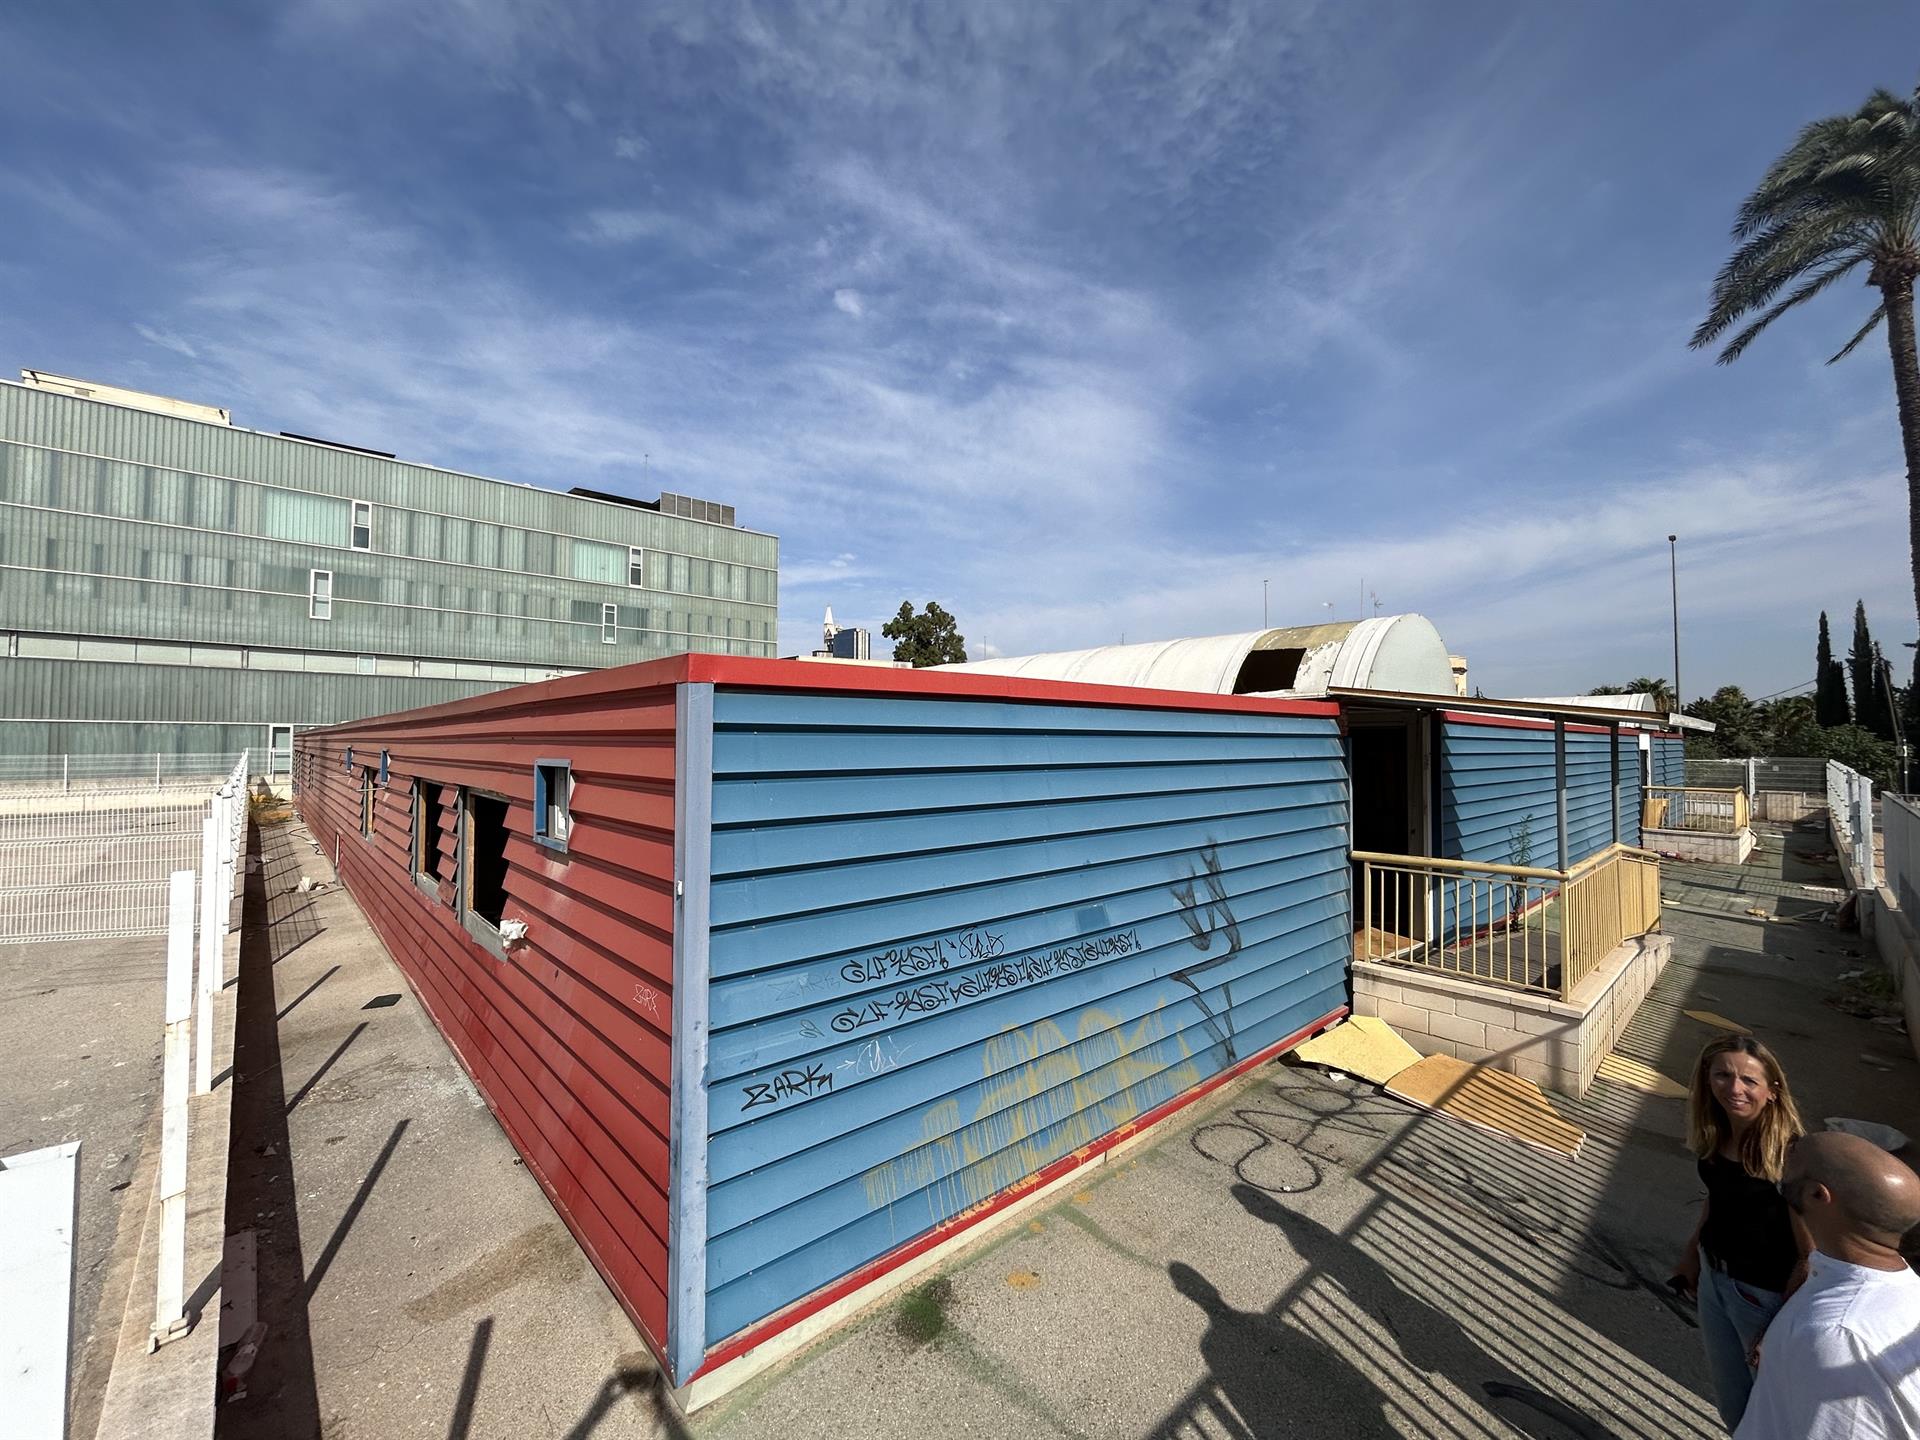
1630, 792
1669, 760
953, 940
1589, 793
1497, 794
568, 1039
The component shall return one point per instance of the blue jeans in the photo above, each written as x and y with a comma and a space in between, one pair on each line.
1733, 1314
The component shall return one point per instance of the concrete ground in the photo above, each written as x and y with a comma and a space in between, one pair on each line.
80, 1040
1297, 1255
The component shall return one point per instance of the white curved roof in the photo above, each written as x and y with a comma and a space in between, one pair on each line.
1387, 652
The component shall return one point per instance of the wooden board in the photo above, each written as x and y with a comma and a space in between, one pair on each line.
1623, 1070
1707, 1017
1365, 1046
1488, 1100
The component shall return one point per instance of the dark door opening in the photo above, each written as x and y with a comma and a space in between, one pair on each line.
1384, 778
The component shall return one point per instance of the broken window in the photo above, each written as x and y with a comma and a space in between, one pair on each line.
552, 803
486, 858
433, 848
366, 802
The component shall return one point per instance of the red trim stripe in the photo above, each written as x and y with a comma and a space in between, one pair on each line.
1515, 722
813, 1304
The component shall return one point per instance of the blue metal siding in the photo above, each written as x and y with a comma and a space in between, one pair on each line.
1589, 793
1497, 795
1669, 761
955, 940
1629, 750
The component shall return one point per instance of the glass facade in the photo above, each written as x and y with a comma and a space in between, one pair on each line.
139, 552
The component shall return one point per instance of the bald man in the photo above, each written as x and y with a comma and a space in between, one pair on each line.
1841, 1361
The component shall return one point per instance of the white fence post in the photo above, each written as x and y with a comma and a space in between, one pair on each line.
169, 1310
212, 838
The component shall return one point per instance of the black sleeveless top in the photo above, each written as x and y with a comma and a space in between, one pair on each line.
1748, 1231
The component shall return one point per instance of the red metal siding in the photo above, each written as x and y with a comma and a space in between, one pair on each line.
568, 1039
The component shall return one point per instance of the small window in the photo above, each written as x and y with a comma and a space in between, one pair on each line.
320, 595
362, 535
433, 846
483, 869
366, 802
609, 624
636, 567
552, 803
386, 772
346, 761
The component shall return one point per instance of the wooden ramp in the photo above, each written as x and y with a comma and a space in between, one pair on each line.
1489, 1100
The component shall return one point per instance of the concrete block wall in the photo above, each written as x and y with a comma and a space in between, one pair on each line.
1698, 845
1556, 1044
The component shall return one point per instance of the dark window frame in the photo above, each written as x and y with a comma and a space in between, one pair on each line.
545, 775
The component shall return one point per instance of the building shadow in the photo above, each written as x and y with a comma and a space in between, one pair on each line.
282, 1401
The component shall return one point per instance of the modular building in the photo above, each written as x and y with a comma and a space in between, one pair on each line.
171, 582
781, 976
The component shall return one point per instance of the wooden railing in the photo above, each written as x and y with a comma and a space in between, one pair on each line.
1695, 807
1516, 926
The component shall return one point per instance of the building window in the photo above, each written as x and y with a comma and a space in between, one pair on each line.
483, 867
433, 843
636, 567
320, 595
552, 803
366, 802
346, 762
361, 536
609, 624
386, 772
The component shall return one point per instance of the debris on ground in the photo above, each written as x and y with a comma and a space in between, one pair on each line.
1869, 995
1885, 1136
1365, 1046
1625, 1070
1759, 910
1707, 1017
1488, 1100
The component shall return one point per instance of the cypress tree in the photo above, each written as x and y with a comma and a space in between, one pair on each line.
1869, 700
1830, 705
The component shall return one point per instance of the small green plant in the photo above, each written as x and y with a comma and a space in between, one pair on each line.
1520, 840
923, 1313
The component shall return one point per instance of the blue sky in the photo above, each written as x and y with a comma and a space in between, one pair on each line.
1082, 320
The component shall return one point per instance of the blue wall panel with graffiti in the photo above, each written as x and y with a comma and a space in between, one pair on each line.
954, 940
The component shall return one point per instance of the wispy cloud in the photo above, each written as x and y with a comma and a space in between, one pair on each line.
848, 302
166, 340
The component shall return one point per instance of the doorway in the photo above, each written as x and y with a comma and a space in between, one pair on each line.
1387, 778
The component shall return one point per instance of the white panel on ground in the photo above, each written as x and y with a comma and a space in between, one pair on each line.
39, 1201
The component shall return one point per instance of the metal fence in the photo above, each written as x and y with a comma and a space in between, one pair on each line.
1805, 775
1900, 833
75, 868
22, 775
1850, 814
1692, 807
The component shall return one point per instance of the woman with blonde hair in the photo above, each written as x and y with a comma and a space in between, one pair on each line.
1747, 1254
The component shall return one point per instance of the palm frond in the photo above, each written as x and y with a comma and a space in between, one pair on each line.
1873, 323
1802, 293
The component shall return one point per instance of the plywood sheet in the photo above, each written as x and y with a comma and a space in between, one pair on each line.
1623, 1070
1490, 1100
1365, 1046
1708, 1017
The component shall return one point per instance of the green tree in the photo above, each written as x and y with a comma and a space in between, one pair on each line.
1737, 729
930, 638
1830, 682
1790, 726
1860, 748
1863, 668
1846, 194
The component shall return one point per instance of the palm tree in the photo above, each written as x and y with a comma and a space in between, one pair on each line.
1845, 194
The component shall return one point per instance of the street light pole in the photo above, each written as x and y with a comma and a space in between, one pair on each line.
1263, 603
1673, 558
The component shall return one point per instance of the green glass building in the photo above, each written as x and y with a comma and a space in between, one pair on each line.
173, 583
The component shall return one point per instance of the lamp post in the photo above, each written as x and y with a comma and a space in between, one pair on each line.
1673, 573
1263, 603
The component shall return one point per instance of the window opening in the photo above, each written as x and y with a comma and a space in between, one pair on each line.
609, 624
366, 802
552, 803
361, 537
320, 595
386, 773
636, 567
432, 844
486, 858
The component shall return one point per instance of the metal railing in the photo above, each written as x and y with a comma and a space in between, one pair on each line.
1850, 815
1900, 834
72, 868
68, 774
1516, 926
1695, 807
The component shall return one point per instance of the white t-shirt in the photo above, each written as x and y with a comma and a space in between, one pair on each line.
1841, 1360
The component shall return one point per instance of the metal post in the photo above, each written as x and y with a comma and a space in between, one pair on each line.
1613, 787
1560, 791
1673, 554
1751, 778
211, 934
66, 782
156, 769
169, 1309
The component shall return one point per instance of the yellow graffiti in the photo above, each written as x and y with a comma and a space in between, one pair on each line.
1045, 1097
